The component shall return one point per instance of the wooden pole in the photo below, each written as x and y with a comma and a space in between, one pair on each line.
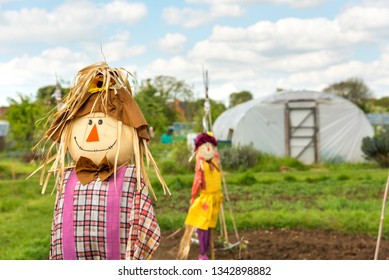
212, 243
229, 205
381, 220
224, 224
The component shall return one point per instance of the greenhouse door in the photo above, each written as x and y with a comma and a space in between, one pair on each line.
301, 131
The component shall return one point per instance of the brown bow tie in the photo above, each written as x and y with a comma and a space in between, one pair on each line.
87, 170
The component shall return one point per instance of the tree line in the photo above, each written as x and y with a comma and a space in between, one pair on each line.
164, 100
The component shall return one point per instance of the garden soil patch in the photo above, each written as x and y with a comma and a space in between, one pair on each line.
284, 244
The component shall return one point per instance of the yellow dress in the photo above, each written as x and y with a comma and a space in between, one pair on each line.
204, 211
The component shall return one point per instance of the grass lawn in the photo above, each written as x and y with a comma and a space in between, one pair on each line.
342, 198
347, 201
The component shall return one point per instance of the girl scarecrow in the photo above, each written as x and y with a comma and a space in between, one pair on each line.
103, 209
204, 209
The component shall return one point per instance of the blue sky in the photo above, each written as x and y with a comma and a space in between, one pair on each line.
255, 45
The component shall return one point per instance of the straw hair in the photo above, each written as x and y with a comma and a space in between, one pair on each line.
114, 87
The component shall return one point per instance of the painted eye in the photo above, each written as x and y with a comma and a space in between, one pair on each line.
90, 122
100, 122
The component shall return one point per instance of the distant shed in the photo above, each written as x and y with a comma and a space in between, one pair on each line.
4, 127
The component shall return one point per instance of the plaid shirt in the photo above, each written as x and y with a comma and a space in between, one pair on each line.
139, 229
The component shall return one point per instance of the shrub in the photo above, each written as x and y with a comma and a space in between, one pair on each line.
377, 148
241, 157
176, 160
343, 177
290, 178
169, 166
316, 179
247, 179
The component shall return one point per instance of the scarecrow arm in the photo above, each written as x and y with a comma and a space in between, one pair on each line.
198, 182
196, 186
144, 235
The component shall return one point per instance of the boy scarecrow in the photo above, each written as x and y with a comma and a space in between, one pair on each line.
204, 209
103, 209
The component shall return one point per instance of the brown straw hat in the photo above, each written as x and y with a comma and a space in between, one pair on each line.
100, 88
204, 138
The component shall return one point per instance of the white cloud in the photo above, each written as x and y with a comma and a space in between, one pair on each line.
376, 3
117, 51
291, 53
124, 12
297, 3
176, 66
189, 17
373, 73
116, 48
222, 81
292, 3
34, 69
264, 81
287, 45
286, 34
25, 74
172, 42
319, 79
226, 10
365, 23
186, 17
305, 61
292, 44
71, 21
222, 52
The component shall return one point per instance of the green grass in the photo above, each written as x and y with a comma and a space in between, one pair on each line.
25, 220
347, 201
14, 169
343, 198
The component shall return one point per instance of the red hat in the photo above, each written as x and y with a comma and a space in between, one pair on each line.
204, 138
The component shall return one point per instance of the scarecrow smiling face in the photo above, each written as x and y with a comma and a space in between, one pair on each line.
205, 146
207, 150
95, 136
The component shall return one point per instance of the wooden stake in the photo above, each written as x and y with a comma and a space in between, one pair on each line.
224, 224
381, 220
212, 243
229, 205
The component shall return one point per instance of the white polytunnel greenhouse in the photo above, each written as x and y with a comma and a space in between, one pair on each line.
307, 125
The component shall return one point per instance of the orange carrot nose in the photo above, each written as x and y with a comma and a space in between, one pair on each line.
93, 135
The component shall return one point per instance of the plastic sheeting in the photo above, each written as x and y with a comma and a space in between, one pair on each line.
261, 122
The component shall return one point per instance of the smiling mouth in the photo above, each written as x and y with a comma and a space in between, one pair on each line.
95, 150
